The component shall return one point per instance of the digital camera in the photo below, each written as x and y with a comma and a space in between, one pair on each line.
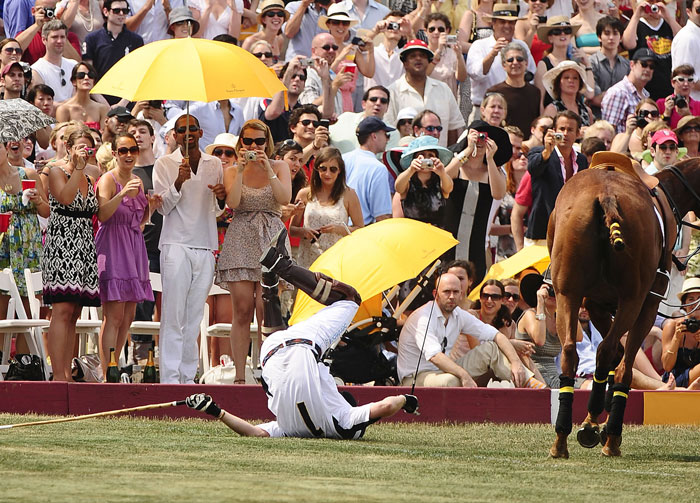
483, 136
394, 26
426, 163
692, 325
89, 151
651, 8
642, 121
680, 101
558, 136
358, 42
451, 40
49, 12
541, 19
251, 156
306, 62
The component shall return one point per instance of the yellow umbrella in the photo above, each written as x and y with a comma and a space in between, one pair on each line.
188, 69
375, 258
531, 256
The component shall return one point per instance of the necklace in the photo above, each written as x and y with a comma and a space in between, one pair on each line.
92, 19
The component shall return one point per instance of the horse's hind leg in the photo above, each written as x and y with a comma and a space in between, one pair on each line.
567, 327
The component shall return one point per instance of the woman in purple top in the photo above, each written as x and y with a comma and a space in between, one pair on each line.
122, 261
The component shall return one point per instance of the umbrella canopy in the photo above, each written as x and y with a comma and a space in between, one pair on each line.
375, 258
531, 256
188, 69
19, 119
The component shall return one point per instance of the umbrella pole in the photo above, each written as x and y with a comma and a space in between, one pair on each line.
187, 133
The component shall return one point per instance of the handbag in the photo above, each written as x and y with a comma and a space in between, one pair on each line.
87, 368
25, 367
221, 374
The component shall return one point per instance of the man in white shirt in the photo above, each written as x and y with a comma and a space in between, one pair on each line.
387, 64
53, 69
484, 64
149, 18
415, 89
223, 116
685, 48
432, 330
193, 192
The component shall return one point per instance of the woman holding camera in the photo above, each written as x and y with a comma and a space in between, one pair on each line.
447, 64
680, 340
679, 103
255, 190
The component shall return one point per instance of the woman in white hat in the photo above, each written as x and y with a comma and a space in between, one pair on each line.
565, 84
350, 57
271, 17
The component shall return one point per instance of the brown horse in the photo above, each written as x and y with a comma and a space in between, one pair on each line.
608, 251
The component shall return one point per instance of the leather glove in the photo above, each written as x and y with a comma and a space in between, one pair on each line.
411, 405
205, 403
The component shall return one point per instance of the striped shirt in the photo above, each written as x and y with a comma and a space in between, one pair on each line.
620, 101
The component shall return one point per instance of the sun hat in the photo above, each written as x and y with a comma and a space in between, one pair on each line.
553, 23
528, 288
182, 14
505, 11
689, 285
421, 144
415, 45
685, 122
336, 12
406, 113
662, 136
222, 140
550, 76
497, 134
268, 5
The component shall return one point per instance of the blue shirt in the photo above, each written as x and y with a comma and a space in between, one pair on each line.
17, 16
374, 12
370, 179
301, 42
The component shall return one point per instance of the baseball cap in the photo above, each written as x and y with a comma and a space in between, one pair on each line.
406, 113
644, 54
413, 45
372, 125
120, 113
6, 68
662, 136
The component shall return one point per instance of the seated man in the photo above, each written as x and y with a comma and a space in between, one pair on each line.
430, 332
302, 394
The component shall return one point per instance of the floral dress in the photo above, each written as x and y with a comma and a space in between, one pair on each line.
21, 247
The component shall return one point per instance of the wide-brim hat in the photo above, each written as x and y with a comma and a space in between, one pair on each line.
528, 288
227, 140
555, 22
336, 12
688, 120
182, 14
415, 45
497, 134
550, 76
689, 285
505, 11
271, 5
421, 144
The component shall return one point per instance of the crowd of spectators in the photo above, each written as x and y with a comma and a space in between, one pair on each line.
469, 116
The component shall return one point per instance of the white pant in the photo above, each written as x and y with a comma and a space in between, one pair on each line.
187, 275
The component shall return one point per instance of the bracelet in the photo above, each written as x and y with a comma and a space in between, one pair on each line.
589, 69
671, 352
540, 316
272, 177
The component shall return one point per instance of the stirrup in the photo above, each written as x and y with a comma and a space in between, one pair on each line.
667, 275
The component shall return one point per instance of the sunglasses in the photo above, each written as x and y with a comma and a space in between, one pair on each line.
648, 113
558, 31
668, 148
328, 47
335, 21
514, 296
430, 129
228, 152
249, 141
63, 77
260, 55
130, 150
441, 29
323, 169
300, 76
519, 59
691, 129
306, 122
519, 153
10, 50
492, 296
183, 129
690, 80
646, 64
124, 11
540, 1
82, 75
273, 13
403, 122
383, 101
697, 10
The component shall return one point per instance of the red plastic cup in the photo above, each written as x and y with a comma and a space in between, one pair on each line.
28, 184
5, 221
350, 67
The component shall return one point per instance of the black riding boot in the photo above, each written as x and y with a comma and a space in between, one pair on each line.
272, 310
318, 286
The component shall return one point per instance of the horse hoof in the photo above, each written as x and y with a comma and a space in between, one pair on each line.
612, 446
588, 436
603, 436
557, 453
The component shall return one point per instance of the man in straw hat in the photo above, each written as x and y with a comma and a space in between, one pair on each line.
483, 62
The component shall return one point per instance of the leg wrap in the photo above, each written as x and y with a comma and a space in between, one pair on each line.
617, 409
272, 310
596, 400
609, 393
566, 400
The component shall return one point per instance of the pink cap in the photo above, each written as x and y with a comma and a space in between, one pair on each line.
415, 44
6, 68
664, 135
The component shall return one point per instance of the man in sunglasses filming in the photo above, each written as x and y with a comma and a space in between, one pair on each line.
190, 183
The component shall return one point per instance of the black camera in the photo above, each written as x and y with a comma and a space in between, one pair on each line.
358, 42
680, 101
49, 12
550, 291
541, 19
642, 121
692, 325
394, 26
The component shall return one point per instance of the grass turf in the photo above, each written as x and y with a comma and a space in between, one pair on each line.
127, 459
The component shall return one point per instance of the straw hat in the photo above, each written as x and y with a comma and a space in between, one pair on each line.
227, 140
182, 14
688, 120
551, 75
421, 144
336, 12
269, 5
689, 285
505, 11
556, 22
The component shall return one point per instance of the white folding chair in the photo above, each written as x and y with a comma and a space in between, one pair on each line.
224, 330
18, 323
149, 327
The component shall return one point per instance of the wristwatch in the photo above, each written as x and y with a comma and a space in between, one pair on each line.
540, 316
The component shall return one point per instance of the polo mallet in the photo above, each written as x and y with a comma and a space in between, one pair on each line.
97, 414
425, 336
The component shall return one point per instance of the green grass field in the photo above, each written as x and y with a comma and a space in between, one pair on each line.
129, 459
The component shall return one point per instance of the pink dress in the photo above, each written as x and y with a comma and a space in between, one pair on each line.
122, 261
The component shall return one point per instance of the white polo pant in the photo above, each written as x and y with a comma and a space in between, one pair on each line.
187, 275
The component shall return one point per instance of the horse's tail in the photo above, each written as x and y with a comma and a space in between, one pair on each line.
611, 214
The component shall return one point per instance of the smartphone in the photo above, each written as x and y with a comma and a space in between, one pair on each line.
358, 42
155, 103
325, 123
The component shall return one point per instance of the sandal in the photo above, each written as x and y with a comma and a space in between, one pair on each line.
239, 381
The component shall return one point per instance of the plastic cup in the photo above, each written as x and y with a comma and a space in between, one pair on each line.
28, 184
350, 67
5, 221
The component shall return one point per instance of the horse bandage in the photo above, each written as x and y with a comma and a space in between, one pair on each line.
616, 236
